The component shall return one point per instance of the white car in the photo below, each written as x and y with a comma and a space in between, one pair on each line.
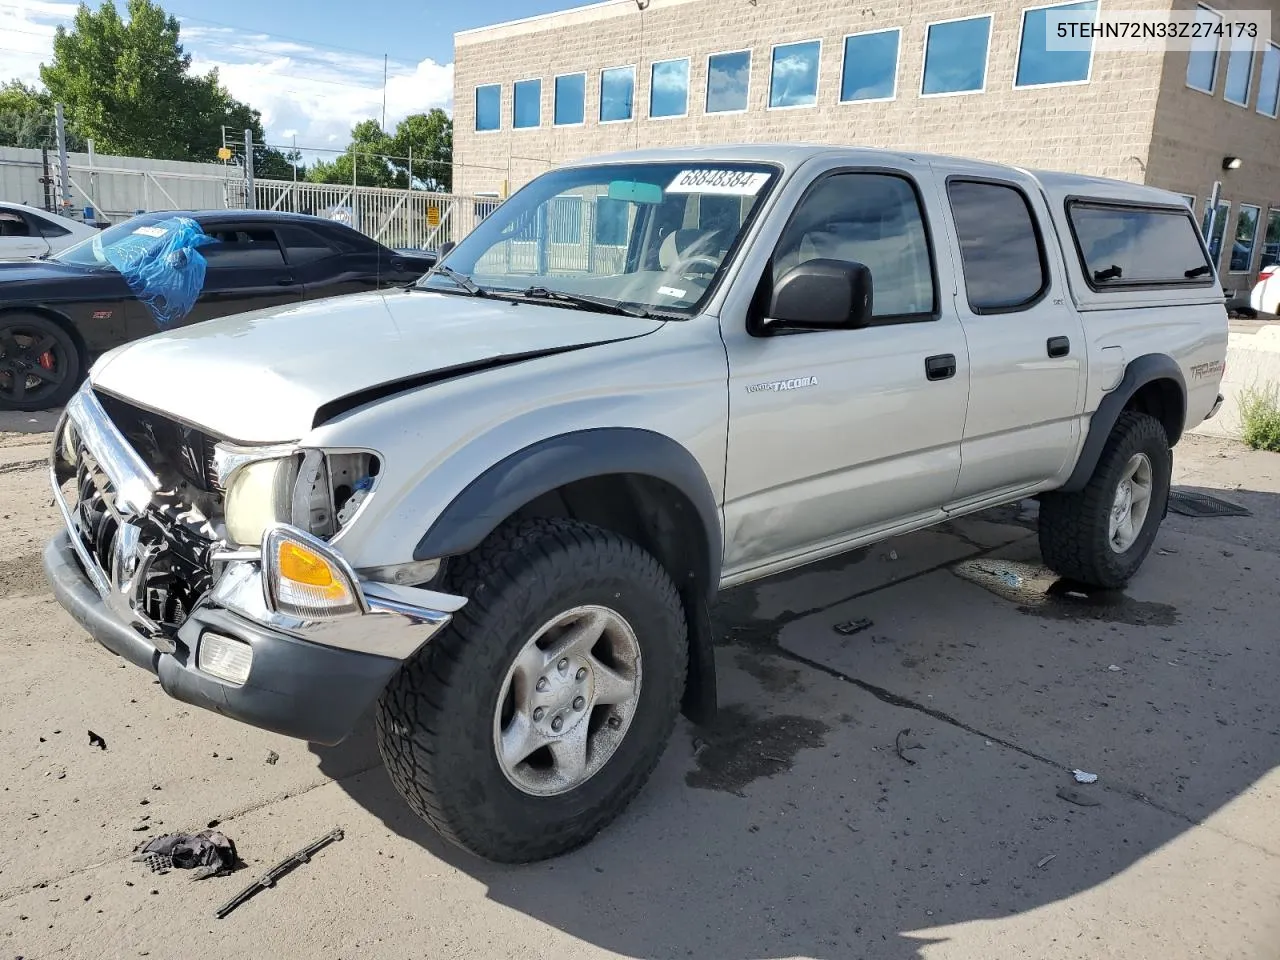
28, 232
1266, 292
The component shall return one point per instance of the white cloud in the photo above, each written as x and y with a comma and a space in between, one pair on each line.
310, 93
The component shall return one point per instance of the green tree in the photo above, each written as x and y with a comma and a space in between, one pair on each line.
379, 159
365, 157
127, 85
27, 119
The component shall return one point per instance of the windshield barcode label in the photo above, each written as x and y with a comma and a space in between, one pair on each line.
734, 183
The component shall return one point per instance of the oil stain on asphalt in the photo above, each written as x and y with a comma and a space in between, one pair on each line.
741, 747
1039, 592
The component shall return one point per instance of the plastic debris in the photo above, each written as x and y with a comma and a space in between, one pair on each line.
97, 741
1009, 579
1082, 777
272, 757
209, 853
850, 627
162, 265
1046, 860
1113, 668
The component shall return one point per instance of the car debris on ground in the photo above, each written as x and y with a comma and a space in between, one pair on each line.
209, 853
269, 878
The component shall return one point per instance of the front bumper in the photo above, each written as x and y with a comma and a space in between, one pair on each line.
307, 679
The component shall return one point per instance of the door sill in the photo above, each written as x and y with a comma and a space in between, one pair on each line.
999, 498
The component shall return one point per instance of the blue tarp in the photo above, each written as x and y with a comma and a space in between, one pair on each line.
163, 266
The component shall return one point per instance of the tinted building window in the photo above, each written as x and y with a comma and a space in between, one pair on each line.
1037, 64
526, 107
1202, 61
1133, 245
728, 81
1269, 82
955, 56
571, 99
870, 66
1246, 238
793, 81
488, 107
1000, 250
872, 219
669, 93
1239, 71
617, 94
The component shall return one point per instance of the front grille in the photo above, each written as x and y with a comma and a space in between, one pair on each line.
168, 446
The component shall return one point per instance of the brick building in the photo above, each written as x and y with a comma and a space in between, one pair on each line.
971, 79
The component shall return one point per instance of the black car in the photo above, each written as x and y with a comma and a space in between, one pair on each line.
57, 314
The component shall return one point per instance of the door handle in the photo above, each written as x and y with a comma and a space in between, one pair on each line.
1058, 346
286, 282
941, 367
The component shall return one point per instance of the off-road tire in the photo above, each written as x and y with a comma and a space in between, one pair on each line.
435, 719
1073, 527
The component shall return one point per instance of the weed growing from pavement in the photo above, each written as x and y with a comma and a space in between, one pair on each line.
1260, 416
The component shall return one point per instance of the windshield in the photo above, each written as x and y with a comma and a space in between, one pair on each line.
90, 252
654, 236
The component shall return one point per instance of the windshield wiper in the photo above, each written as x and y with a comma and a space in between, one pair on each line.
581, 300
1196, 272
461, 279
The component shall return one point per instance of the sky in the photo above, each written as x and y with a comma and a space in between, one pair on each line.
314, 68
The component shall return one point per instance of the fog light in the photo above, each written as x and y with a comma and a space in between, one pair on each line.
225, 658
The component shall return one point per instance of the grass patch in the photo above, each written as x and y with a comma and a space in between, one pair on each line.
1260, 417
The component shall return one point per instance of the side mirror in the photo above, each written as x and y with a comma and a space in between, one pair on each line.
822, 295
446, 247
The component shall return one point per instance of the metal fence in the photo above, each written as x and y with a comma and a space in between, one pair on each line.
108, 190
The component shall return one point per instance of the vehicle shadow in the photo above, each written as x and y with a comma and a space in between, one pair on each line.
804, 822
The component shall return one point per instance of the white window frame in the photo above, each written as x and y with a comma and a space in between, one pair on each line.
897, 65
475, 105
1276, 48
1192, 198
817, 85
1017, 60
1272, 211
706, 94
538, 80
1248, 83
555, 98
1217, 56
688, 85
635, 82
1253, 245
986, 61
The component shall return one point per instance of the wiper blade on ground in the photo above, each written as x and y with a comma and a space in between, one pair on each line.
581, 300
461, 279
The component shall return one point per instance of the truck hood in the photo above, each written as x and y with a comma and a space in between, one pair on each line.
271, 375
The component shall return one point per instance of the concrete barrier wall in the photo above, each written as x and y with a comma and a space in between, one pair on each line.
1253, 362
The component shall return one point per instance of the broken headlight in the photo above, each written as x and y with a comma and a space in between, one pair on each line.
315, 490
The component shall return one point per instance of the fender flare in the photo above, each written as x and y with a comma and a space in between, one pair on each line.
1137, 374
556, 461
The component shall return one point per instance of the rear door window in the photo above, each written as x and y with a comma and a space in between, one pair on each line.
240, 248
1000, 247
1123, 245
304, 246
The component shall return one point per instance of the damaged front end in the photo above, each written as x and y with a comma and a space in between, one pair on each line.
211, 565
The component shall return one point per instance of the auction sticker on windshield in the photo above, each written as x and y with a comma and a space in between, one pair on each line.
152, 231
733, 183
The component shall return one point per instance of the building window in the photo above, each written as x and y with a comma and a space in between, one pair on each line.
1246, 237
728, 81
955, 56
1037, 64
793, 81
1001, 254
1219, 229
571, 99
1269, 82
669, 88
1271, 242
617, 94
1120, 246
526, 104
488, 107
870, 66
1202, 61
1239, 72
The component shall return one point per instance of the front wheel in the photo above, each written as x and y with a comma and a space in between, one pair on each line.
40, 366
1101, 535
539, 713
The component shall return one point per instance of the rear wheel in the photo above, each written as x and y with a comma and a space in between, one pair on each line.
1101, 535
538, 714
39, 363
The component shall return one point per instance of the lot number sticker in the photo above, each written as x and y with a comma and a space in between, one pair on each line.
732, 183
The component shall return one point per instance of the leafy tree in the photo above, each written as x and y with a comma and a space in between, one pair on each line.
128, 86
379, 159
27, 119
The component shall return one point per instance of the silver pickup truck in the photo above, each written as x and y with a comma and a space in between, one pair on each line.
495, 507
